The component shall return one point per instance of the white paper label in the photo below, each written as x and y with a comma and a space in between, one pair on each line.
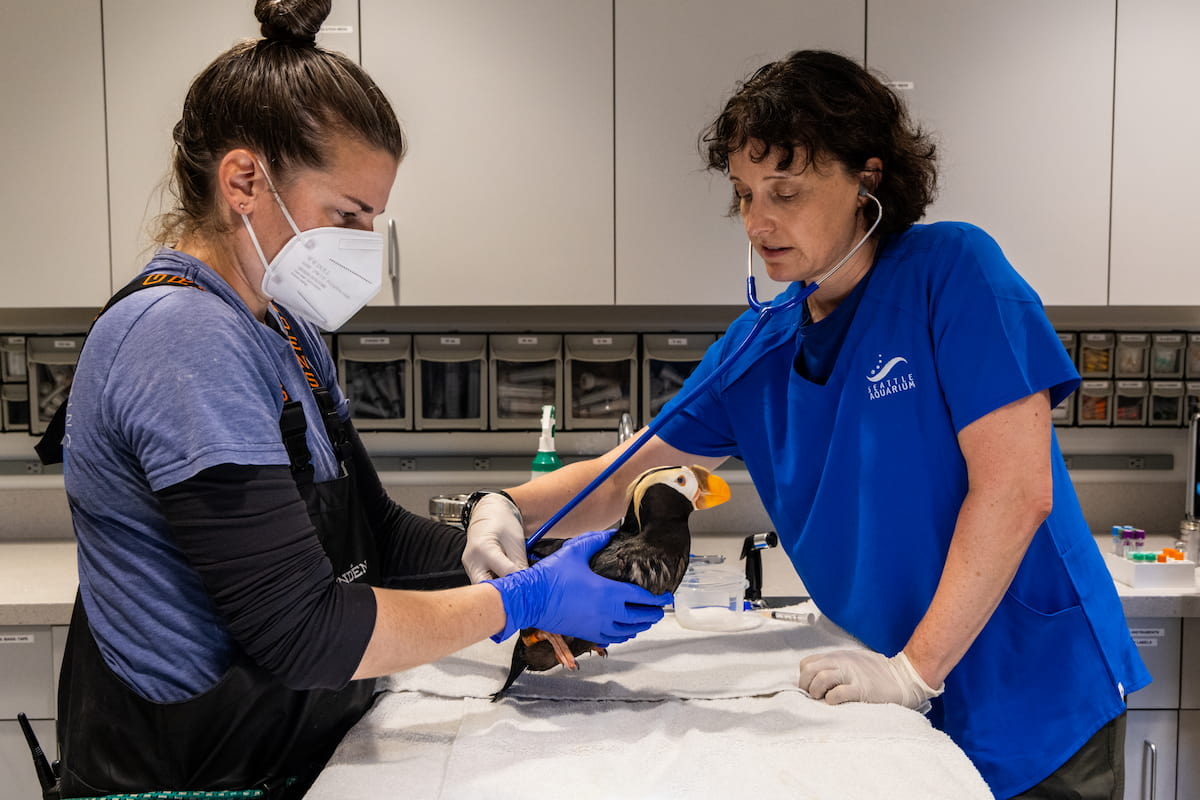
17, 638
527, 340
1145, 642
677, 341
601, 340
900, 86
337, 29
64, 344
375, 340
1145, 633
451, 340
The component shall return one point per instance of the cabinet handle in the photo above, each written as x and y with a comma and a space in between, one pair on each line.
1149, 747
394, 261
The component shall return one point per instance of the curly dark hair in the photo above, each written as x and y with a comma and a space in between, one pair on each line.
819, 105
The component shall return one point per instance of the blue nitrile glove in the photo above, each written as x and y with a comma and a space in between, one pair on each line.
562, 595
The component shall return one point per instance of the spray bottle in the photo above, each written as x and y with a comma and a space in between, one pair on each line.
546, 459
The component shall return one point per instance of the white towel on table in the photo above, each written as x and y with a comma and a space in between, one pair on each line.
675, 713
668, 661
781, 746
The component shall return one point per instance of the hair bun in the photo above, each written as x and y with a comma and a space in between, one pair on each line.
292, 21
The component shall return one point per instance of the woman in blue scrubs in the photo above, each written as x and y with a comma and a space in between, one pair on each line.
897, 428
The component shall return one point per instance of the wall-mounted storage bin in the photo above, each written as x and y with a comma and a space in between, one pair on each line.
1167, 355
1068, 339
1132, 355
667, 360
1192, 367
1191, 400
526, 371
1064, 413
1166, 403
601, 380
1131, 403
451, 382
14, 407
51, 364
12, 359
376, 374
1095, 403
1096, 355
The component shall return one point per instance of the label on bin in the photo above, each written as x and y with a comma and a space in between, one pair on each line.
451, 340
64, 344
17, 638
375, 340
527, 340
677, 341
599, 340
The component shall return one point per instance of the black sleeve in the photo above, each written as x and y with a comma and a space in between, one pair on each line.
415, 552
246, 531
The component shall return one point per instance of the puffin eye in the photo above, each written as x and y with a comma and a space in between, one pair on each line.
681, 480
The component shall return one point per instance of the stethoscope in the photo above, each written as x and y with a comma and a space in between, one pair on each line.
764, 311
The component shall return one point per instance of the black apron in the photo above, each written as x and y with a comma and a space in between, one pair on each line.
248, 731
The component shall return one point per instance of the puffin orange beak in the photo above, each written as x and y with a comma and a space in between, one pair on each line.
713, 490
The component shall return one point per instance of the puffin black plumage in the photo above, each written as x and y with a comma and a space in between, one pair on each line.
650, 548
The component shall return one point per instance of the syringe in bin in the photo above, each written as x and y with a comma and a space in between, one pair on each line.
604, 396
374, 390
524, 390
665, 382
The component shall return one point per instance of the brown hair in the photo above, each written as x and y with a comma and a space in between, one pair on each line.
281, 97
827, 106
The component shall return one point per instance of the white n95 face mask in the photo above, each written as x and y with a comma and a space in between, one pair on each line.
325, 275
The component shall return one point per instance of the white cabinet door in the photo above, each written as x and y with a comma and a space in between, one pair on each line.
53, 201
1188, 781
152, 51
1156, 129
676, 65
1020, 97
506, 194
17, 776
1150, 757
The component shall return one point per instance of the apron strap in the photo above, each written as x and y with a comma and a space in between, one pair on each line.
50, 447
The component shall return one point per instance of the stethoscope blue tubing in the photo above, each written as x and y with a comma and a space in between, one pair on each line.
765, 311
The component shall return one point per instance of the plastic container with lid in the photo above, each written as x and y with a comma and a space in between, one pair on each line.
712, 598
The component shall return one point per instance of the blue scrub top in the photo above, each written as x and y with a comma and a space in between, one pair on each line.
863, 479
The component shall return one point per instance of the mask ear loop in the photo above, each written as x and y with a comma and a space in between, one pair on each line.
246, 220
278, 199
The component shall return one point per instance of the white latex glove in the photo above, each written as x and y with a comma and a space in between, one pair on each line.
495, 539
864, 676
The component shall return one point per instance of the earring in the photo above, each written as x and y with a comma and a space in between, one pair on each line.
242, 206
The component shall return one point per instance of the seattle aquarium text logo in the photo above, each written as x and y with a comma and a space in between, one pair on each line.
889, 378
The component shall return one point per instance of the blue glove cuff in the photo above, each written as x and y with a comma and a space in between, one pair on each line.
514, 592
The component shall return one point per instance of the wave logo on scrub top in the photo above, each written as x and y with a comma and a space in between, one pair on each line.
888, 378
880, 373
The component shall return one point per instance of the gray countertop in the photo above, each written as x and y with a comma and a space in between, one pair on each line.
38, 582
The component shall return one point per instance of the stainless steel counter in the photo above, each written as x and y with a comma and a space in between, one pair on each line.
38, 581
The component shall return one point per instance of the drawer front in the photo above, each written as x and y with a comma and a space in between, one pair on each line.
27, 664
1158, 642
1151, 739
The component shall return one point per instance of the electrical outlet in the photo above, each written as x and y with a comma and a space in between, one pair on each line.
1137, 462
408, 464
483, 463
33, 468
